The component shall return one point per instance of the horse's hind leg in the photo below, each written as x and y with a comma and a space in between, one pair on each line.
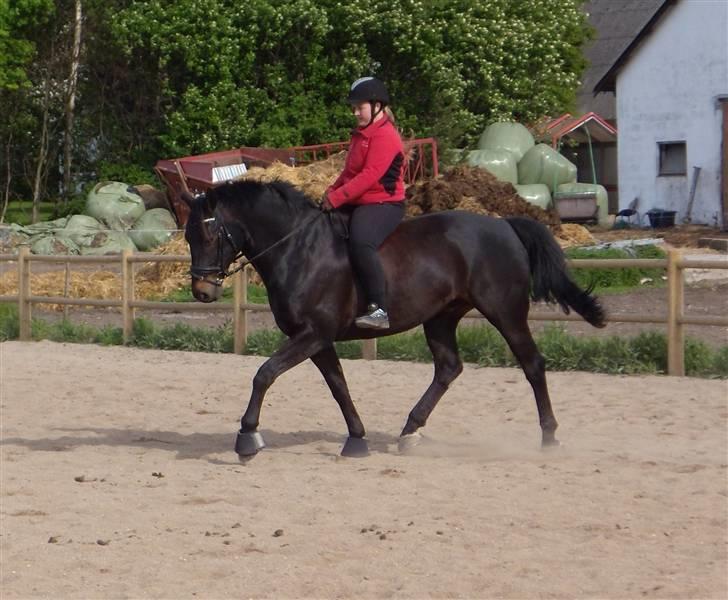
513, 326
440, 333
328, 363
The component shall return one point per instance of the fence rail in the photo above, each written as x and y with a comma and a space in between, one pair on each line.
675, 264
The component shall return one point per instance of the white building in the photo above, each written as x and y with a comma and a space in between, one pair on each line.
671, 86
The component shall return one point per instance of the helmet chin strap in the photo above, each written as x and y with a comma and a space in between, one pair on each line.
374, 113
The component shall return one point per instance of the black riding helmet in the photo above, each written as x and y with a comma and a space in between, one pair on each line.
369, 89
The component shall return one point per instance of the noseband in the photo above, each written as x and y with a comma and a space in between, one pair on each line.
223, 236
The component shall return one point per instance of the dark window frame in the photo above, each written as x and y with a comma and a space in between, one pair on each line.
670, 170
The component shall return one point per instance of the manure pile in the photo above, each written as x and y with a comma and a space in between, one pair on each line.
475, 190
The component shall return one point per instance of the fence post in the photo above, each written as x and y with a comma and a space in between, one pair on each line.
24, 311
369, 349
240, 315
66, 288
127, 294
675, 304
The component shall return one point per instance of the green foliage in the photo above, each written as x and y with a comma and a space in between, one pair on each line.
17, 19
404, 346
265, 342
720, 363
275, 74
77, 206
484, 346
164, 79
700, 360
21, 212
129, 173
651, 347
622, 278
9, 323
181, 337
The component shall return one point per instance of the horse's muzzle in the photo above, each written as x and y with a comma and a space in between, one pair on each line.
206, 290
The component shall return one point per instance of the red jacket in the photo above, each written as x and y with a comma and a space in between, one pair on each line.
373, 172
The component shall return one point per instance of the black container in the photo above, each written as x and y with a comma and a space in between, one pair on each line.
661, 218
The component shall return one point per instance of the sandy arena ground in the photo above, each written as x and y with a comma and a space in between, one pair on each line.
119, 481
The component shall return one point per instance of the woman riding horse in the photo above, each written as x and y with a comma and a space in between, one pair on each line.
436, 267
373, 183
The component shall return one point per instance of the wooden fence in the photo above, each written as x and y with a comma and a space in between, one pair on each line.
675, 264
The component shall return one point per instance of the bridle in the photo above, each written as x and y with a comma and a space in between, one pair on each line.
223, 237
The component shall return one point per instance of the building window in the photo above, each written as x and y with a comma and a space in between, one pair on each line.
673, 158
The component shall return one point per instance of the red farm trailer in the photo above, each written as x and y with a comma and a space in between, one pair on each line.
198, 173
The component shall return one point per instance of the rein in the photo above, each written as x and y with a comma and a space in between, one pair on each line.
201, 273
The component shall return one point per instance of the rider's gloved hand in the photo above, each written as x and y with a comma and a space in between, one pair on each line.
326, 205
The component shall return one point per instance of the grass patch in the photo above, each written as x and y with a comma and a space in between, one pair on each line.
645, 353
21, 212
617, 280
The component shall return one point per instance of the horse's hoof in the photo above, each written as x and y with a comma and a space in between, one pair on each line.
355, 448
409, 442
248, 443
550, 444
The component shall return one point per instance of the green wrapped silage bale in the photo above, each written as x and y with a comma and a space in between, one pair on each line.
154, 228
40, 228
543, 164
535, 193
115, 204
500, 163
80, 229
513, 137
108, 242
601, 193
49, 244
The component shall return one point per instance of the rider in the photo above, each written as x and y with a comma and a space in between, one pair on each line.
372, 182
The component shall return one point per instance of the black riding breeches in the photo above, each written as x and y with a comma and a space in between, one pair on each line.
369, 227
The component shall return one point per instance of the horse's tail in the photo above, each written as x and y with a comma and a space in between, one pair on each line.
550, 277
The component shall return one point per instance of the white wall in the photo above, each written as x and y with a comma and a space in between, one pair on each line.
667, 92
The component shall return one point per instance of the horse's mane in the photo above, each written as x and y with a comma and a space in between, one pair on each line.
232, 192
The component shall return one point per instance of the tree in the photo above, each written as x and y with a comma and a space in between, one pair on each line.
160, 79
20, 20
70, 103
273, 73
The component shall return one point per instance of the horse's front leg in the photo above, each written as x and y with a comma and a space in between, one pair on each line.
328, 363
293, 352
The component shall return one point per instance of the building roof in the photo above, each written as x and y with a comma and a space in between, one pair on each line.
584, 129
620, 25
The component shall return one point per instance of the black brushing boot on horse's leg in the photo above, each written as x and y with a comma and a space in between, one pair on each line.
248, 443
329, 365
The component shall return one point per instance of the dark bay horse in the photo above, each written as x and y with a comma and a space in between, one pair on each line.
437, 267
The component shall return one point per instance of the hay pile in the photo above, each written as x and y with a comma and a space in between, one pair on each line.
572, 234
153, 281
311, 179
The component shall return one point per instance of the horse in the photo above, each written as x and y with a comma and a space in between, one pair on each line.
437, 266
